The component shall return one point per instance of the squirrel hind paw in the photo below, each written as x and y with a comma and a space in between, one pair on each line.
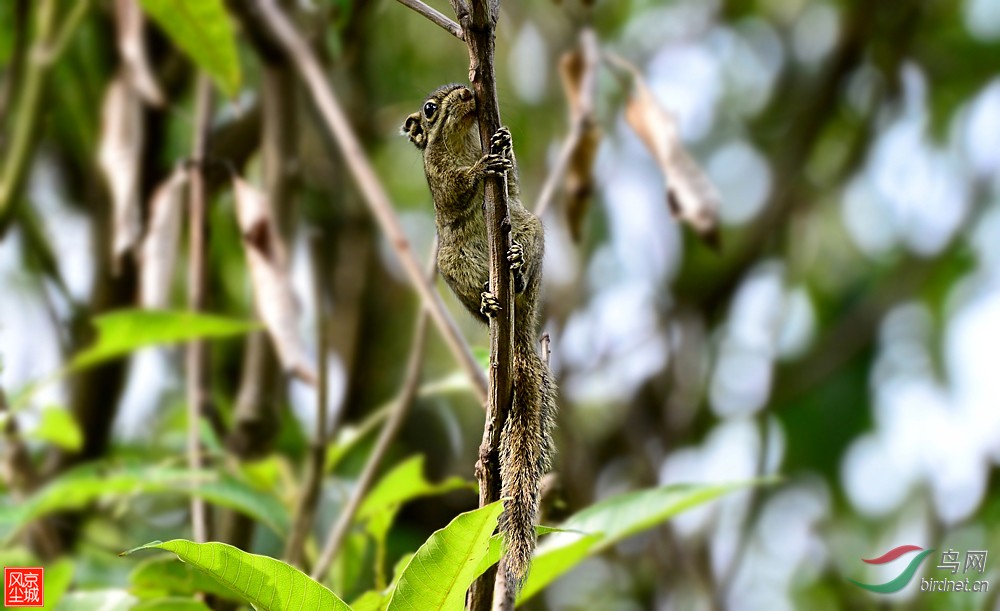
515, 256
489, 304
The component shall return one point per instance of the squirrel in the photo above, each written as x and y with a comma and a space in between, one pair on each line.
446, 132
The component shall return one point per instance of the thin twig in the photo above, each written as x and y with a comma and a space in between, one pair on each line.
22, 141
580, 122
305, 510
20, 13
397, 416
197, 351
437, 17
62, 38
371, 188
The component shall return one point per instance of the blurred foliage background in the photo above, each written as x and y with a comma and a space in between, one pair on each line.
846, 335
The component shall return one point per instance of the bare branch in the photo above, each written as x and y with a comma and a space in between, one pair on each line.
437, 17
197, 351
400, 409
374, 193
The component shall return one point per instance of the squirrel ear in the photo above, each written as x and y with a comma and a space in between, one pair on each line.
413, 129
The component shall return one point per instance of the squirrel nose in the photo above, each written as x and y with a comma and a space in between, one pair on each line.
465, 94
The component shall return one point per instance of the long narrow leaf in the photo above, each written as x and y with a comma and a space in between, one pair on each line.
124, 331
264, 582
84, 485
163, 575
404, 483
201, 28
445, 565
79, 487
611, 521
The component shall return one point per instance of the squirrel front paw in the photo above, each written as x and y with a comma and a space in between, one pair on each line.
497, 164
500, 143
489, 305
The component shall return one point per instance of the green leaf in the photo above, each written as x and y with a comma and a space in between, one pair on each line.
124, 331
372, 600
403, 483
259, 504
58, 576
97, 600
81, 486
378, 600
610, 521
164, 575
58, 427
378, 527
550, 564
201, 28
632, 512
441, 571
497, 546
264, 582
172, 604
350, 437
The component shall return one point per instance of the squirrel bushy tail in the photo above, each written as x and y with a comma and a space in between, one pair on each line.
525, 452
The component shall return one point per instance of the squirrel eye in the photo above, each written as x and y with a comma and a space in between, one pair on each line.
429, 109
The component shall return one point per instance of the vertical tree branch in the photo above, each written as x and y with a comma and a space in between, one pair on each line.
197, 351
479, 26
374, 193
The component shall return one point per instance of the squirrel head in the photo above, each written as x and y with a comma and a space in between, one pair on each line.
446, 116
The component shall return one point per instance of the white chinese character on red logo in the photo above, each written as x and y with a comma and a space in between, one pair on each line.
23, 587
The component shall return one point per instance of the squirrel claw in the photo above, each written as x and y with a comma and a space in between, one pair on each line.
500, 143
489, 306
515, 255
497, 164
